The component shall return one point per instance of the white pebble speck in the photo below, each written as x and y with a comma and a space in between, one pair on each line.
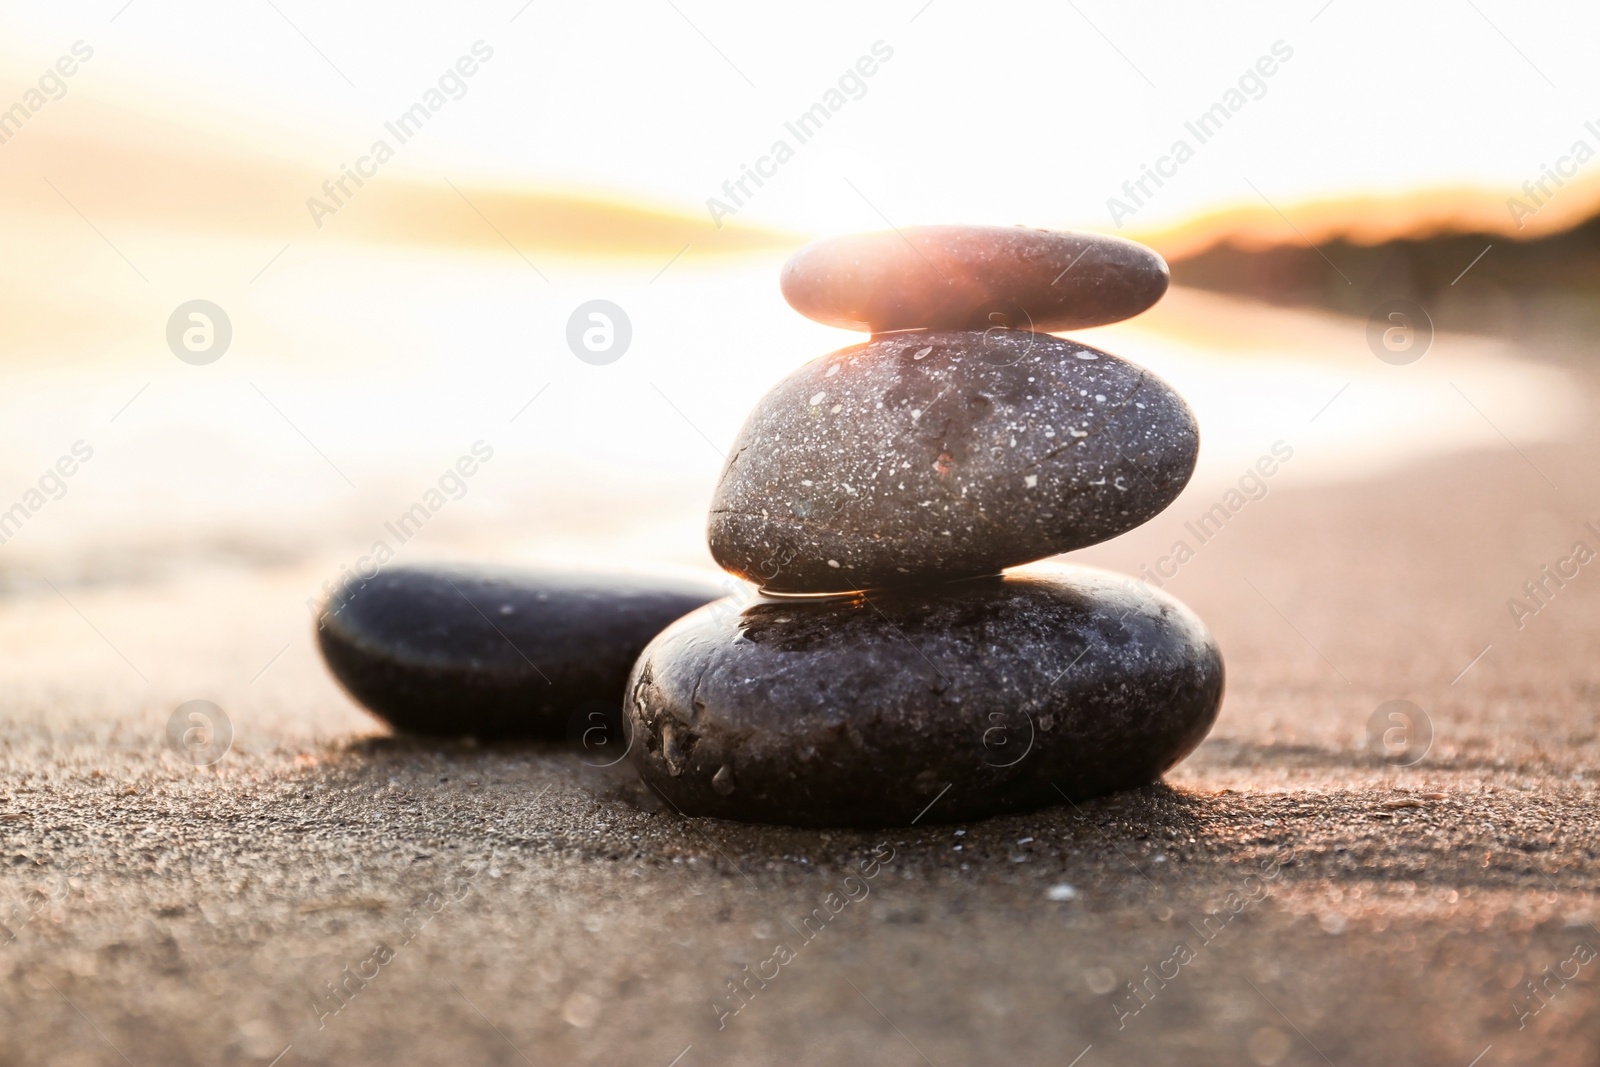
833, 563
1087, 355
1031, 481
1062, 891
817, 399
1099, 398
923, 352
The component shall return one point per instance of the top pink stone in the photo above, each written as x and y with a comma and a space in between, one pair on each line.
972, 278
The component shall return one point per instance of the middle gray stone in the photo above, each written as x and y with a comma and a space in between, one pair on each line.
939, 455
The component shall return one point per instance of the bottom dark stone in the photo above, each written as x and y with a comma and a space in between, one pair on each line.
936, 704
495, 652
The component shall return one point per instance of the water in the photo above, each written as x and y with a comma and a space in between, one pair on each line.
359, 377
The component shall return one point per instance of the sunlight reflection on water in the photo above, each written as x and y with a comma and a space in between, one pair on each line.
393, 365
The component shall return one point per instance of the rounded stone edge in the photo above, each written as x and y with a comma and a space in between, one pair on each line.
1134, 256
768, 583
364, 672
1212, 677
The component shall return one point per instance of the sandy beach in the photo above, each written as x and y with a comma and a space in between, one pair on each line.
329, 894
295, 291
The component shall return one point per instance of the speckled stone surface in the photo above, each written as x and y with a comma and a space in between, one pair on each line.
973, 699
923, 457
972, 277
492, 652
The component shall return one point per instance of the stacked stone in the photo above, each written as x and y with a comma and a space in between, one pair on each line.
891, 671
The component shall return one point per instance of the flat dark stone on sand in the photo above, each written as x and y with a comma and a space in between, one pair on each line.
493, 652
959, 702
972, 277
922, 457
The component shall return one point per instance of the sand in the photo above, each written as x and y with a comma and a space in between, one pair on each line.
1285, 897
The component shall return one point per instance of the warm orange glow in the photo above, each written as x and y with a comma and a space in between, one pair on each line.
129, 168
1373, 219
135, 169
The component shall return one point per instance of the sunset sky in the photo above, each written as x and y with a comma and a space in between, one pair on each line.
426, 307
1008, 112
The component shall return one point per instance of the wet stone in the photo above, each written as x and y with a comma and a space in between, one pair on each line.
495, 652
958, 702
920, 457
972, 277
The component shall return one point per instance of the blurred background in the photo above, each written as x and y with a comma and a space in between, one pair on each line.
392, 216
